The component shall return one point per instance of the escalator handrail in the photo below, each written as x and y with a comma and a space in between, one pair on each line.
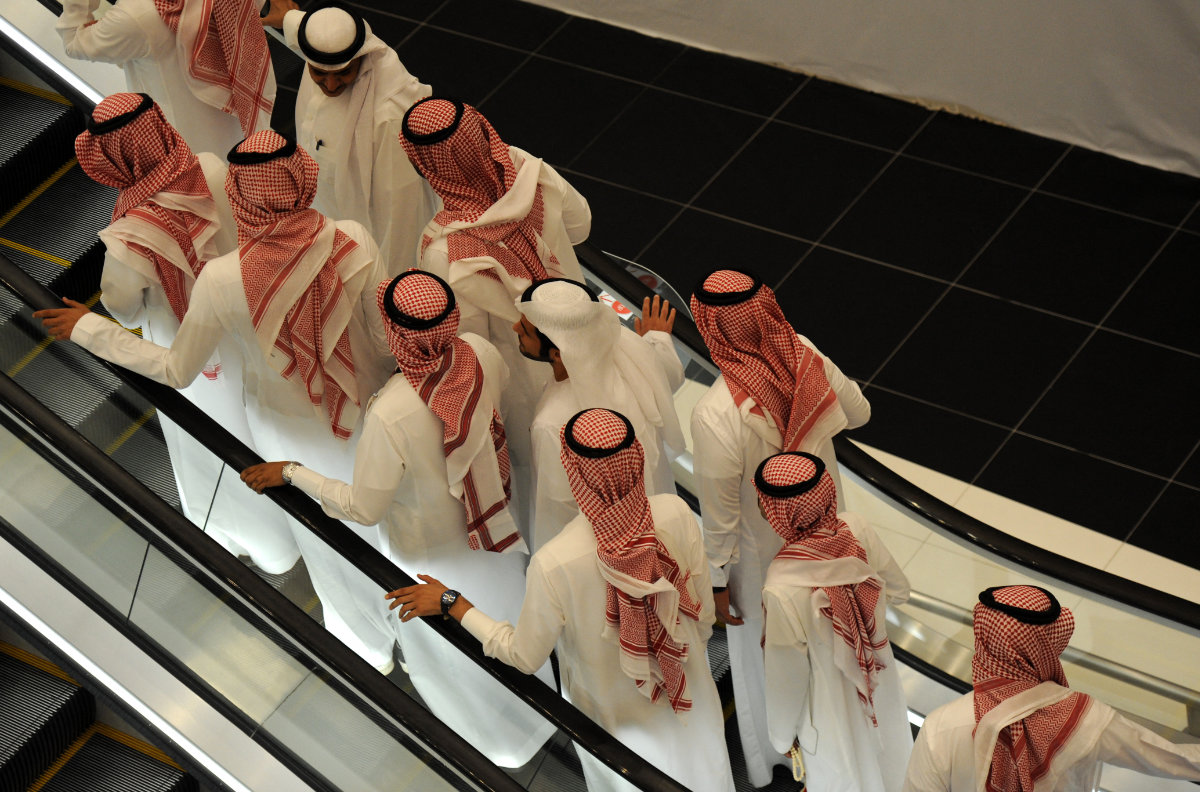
169, 531
545, 700
913, 499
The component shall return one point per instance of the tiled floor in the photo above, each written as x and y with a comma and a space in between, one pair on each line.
1016, 307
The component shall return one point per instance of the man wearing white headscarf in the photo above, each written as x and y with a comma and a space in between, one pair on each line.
1021, 729
622, 595
597, 363
776, 393
205, 62
348, 115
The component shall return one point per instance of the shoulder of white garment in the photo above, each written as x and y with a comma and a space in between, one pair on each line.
576, 539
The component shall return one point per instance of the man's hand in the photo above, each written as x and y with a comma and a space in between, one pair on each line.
656, 315
721, 599
425, 600
59, 322
268, 474
278, 10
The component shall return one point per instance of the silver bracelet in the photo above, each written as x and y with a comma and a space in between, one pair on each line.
288, 471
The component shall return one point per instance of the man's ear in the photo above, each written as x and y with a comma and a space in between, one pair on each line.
555, 356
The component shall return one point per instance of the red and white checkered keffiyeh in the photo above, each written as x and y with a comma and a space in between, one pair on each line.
811, 530
647, 591
162, 187
471, 170
1012, 656
445, 372
763, 362
223, 50
289, 256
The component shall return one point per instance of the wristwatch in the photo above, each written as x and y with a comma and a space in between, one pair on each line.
288, 471
449, 597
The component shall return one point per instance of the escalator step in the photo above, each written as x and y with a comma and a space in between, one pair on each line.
36, 129
61, 222
41, 712
105, 760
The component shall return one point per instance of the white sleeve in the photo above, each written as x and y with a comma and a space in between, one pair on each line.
895, 583
785, 658
379, 465
925, 773
668, 357
176, 366
376, 274
718, 475
527, 646
576, 214
116, 38
123, 291
1126, 744
849, 395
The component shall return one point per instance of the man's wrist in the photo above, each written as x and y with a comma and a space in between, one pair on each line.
288, 471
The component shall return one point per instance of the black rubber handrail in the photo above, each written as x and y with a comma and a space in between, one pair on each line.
915, 500
172, 533
367, 559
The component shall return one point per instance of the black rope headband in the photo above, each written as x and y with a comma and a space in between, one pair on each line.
1023, 615
407, 320
437, 136
726, 298
236, 157
788, 490
527, 295
597, 453
118, 121
332, 58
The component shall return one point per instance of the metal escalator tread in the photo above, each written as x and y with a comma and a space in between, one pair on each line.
33, 126
63, 220
108, 762
41, 713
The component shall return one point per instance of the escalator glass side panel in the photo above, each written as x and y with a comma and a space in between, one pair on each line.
269, 683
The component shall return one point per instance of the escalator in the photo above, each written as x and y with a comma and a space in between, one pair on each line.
311, 702
52, 742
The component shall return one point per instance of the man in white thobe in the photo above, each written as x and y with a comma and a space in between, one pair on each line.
507, 219
348, 116
776, 393
432, 472
1022, 729
171, 217
597, 362
297, 296
833, 688
623, 594
205, 62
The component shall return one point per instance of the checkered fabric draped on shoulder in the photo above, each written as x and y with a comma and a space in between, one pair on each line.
141, 159
811, 530
1012, 656
470, 170
276, 229
227, 48
611, 493
761, 358
445, 372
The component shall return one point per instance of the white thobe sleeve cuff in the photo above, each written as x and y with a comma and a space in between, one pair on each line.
308, 481
720, 577
479, 624
88, 328
76, 13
